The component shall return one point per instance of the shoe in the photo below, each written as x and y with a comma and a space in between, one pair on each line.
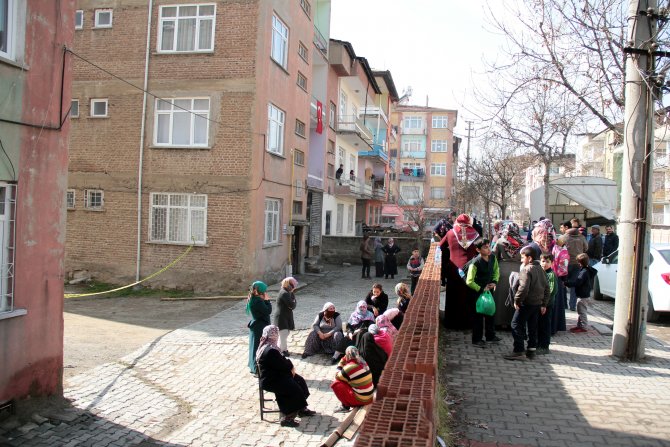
495, 339
530, 354
334, 361
289, 423
573, 309
479, 344
304, 356
343, 409
578, 329
305, 412
542, 351
515, 356
286, 354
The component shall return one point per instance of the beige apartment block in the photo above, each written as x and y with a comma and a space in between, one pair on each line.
218, 146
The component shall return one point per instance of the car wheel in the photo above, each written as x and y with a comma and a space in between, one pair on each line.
652, 315
596, 290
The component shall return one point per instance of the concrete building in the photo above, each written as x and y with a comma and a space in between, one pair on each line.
426, 162
35, 80
215, 155
535, 175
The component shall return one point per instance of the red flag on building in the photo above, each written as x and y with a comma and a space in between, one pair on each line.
319, 120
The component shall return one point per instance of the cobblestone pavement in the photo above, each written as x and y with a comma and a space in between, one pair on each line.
191, 387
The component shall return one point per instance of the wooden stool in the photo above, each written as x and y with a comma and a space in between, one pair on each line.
262, 399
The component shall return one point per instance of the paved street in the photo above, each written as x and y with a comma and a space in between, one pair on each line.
191, 387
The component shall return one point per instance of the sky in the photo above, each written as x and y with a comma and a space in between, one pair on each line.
435, 46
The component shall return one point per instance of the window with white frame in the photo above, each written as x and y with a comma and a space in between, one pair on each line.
437, 192
178, 218
8, 28
70, 199
350, 220
410, 193
79, 19
440, 122
99, 108
276, 118
74, 108
94, 199
438, 146
7, 244
272, 221
302, 81
331, 115
186, 28
299, 157
438, 169
300, 128
343, 103
182, 122
412, 144
303, 52
279, 50
413, 122
103, 18
339, 223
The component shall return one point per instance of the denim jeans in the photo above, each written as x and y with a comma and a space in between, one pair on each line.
525, 315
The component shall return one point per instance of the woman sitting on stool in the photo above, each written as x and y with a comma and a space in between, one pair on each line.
278, 376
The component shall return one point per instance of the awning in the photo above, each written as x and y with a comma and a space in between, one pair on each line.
597, 194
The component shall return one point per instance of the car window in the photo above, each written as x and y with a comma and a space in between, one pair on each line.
614, 257
666, 255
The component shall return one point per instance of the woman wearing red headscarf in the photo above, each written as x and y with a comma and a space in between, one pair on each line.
458, 310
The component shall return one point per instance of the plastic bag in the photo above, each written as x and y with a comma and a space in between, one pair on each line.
486, 304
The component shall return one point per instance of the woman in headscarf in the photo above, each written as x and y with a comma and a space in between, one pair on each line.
326, 333
544, 235
284, 317
353, 382
357, 325
259, 308
390, 261
377, 300
278, 376
508, 253
384, 323
458, 311
379, 257
382, 337
373, 353
404, 298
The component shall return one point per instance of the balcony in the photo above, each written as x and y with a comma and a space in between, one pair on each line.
320, 42
377, 152
412, 175
410, 202
353, 188
413, 154
376, 111
352, 130
413, 131
379, 192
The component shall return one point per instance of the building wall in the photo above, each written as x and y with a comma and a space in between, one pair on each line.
31, 354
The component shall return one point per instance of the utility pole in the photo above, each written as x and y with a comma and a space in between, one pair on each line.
467, 155
628, 340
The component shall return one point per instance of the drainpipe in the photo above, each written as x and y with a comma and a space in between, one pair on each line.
289, 268
142, 130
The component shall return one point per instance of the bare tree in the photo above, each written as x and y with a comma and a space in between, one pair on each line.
413, 209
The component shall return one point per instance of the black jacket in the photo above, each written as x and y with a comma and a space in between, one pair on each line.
285, 304
595, 250
611, 244
381, 303
584, 282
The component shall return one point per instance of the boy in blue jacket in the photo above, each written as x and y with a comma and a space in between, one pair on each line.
582, 284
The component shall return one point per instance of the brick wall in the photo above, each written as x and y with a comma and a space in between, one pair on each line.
404, 412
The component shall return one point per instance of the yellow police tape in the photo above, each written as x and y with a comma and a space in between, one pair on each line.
153, 275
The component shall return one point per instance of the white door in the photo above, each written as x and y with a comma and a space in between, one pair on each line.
607, 275
339, 226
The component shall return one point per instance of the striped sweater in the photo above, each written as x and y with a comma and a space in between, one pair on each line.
359, 379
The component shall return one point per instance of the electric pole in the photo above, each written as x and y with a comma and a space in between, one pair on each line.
628, 340
467, 155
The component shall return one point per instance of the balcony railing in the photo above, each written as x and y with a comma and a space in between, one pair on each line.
374, 111
320, 42
377, 151
412, 154
353, 124
413, 131
416, 201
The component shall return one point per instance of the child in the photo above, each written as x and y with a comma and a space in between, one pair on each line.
582, 284
530, 301
415, 266
483, 274
544, 325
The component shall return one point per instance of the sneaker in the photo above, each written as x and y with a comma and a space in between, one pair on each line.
578, 329
289, 423
305, 412
479, 344
515, 356
343, 409
542, 351
495, 339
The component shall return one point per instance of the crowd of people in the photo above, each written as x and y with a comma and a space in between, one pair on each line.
532, 280
359, 346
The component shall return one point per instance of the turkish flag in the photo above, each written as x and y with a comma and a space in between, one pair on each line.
319, 120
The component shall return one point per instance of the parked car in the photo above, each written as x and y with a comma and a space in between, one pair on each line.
659, 279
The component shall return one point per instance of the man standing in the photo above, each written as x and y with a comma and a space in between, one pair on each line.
595, 250
339, 172
611, 241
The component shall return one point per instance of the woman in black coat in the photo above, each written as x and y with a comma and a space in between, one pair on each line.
373, 354
390, 261
377, 300
284, 317
278, 376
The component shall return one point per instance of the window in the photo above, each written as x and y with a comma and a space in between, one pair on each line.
300, 128
326, 223
279, 50
303, 52
331, 147
331, 115
94, 199
8, 29
7, 229
438, 146
438, 169
272, 210
297, 207
299, 157
437, 192
302, 81
412, 144
74, 108
554, 170
440, 122
350, 219
178, 218
98, 108
413, 122
393, 153
103, 18
275, 130
299, 189
186, 28
182, 122
339, 224
331, 170
69, 199
343, 103
79, 19
304, 4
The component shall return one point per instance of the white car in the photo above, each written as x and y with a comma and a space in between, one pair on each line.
659, 279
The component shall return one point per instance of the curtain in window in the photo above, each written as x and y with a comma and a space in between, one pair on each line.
186, 34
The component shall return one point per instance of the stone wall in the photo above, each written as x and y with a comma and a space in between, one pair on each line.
338, 249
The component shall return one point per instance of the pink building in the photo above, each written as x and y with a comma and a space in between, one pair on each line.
35, 80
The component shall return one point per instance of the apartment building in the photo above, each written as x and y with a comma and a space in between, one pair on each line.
535, 175
35, 80
190, 128
355, 195
425, 155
